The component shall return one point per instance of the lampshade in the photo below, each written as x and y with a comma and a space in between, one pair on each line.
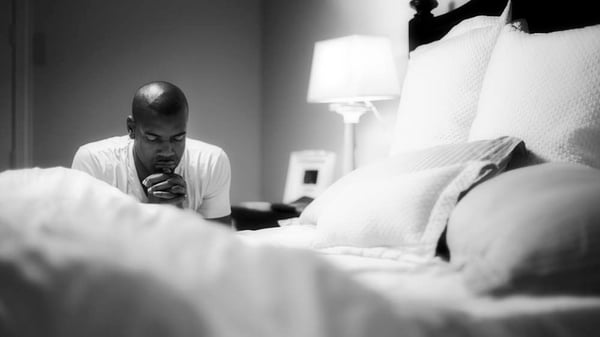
353, 68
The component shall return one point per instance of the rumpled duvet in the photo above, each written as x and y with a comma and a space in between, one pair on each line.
80, 258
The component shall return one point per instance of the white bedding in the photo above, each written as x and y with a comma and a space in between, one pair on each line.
90, 261
432, 290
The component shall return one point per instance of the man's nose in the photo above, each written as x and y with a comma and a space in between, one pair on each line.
167, 149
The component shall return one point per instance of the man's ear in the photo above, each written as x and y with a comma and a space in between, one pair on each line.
131, 127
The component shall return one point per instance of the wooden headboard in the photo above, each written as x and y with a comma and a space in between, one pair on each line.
541, 15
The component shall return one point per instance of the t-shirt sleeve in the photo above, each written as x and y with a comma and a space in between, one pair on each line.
215, 203
86, 162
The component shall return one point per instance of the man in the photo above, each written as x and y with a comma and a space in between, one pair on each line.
156, 163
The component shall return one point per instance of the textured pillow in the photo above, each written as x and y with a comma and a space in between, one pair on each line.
403, 202
534, 229
441, 88
545, 89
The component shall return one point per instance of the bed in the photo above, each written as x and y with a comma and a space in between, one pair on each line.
483, 221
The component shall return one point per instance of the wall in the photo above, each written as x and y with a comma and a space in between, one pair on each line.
245, 73
92, 55
290, 123
5, 85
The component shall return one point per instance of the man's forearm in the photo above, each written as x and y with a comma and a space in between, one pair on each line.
226, 220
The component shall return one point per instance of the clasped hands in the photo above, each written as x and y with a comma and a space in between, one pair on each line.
166, 188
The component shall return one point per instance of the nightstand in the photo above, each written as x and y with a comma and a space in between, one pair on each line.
253, 216
259, 214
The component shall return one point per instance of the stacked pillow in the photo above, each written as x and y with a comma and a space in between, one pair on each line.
402, 204
442, 84
544, 89
534, 229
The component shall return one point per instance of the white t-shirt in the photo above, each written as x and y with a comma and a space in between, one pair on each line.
204, 167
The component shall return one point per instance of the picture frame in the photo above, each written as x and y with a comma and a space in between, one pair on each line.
310, 172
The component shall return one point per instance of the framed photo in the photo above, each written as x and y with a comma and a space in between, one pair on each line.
310, 172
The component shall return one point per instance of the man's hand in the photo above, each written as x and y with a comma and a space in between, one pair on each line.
166, 188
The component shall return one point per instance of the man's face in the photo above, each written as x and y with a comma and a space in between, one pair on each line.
159, 141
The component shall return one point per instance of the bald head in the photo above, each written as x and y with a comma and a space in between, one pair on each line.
159, 98
158, 126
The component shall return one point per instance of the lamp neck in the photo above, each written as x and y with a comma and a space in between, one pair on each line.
351, 111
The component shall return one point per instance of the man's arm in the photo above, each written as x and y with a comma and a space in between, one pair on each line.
226, 220
216, 205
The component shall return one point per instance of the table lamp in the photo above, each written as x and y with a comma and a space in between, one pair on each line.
349, 73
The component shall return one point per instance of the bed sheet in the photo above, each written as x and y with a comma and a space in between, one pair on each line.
292, 234
433, 286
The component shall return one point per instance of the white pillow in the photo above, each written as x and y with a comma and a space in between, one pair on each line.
441, 88
534, 229
386, 211
403, 202
545, 89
